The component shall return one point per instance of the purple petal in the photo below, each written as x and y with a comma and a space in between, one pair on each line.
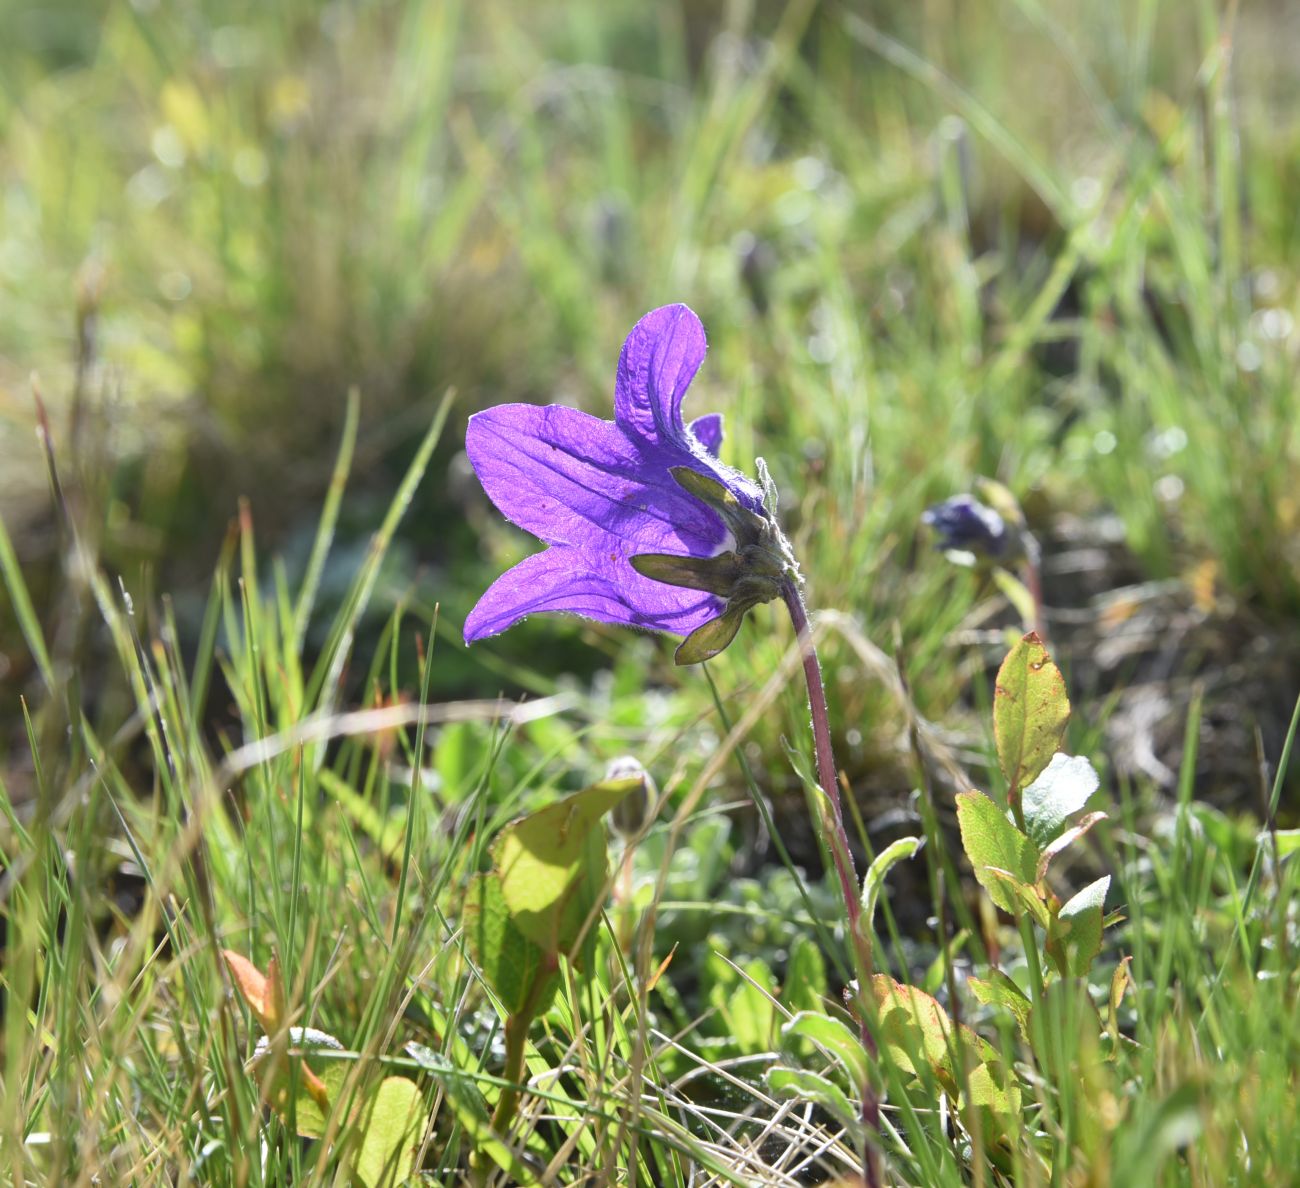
573, 479
656, 366
708, 432
605, 588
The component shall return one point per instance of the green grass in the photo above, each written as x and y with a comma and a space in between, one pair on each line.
282, 252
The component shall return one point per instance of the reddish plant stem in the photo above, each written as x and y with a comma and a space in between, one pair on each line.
841, 856
827, 773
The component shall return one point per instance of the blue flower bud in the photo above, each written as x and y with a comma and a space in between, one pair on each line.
964, 524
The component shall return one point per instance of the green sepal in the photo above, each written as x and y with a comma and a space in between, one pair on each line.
706, 488
715, 575
708, 640
746, 526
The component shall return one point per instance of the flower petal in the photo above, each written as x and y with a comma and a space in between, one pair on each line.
708, 432
656, 366
606, 589
573, 479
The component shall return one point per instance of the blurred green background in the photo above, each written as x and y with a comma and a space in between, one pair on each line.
1052, 243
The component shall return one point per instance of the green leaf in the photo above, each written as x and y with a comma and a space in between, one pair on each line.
1074, 936
1024, 896
1288, 841
1060, 791
810, 1086
1000, 990
514, 966
743, 1001
1030, 713
873, 883
993, 843
552, 865
1016, 592
708, 640
832, 1038
392, 1123
805, 976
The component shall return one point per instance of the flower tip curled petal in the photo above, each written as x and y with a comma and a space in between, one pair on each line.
656, 366
708, 432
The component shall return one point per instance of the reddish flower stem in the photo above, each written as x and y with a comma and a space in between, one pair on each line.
841, 856
827, 773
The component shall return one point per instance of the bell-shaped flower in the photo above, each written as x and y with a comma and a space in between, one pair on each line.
645, 526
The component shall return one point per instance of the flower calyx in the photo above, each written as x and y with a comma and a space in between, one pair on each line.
750, 573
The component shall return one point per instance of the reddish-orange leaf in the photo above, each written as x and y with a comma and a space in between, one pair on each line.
659, 973
252, 985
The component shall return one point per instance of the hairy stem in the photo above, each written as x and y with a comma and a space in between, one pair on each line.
841, 856
827, 773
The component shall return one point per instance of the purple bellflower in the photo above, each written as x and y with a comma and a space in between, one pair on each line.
645, 526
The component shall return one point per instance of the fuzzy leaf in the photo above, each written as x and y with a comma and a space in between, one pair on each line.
1060, 791
1030, 713
993, 843
1074, 936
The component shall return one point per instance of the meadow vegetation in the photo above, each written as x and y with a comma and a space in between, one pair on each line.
259, 265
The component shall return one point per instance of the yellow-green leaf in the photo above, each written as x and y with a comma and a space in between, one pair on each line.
391, 1125
1030, 713
514, 966
916, 1033
552, 864
993, 844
